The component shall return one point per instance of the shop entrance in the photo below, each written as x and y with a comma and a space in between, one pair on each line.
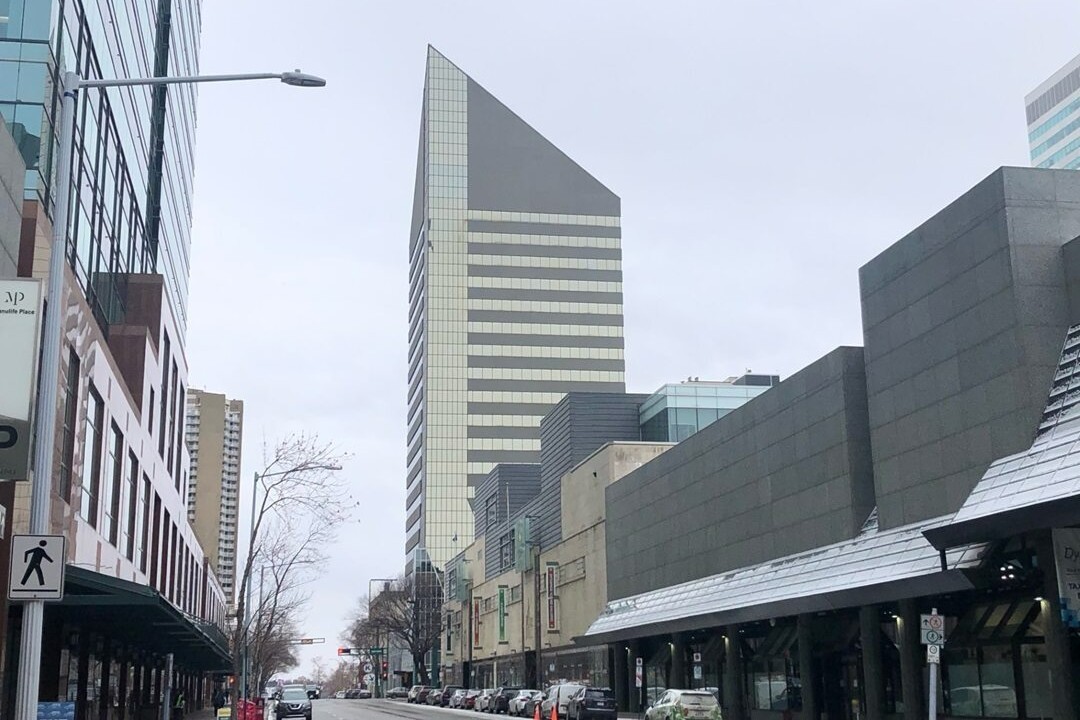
841, 685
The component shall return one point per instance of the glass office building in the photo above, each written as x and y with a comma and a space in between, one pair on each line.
1053, 117
132, 178
678, 410
515, 299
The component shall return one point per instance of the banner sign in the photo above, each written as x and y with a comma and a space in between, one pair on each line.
1067, 563
552, 606
20, 322
476, 622
502, 614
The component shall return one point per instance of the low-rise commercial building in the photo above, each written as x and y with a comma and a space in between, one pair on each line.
807, 531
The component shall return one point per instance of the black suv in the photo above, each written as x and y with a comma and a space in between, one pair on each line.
500, 702
294, 702
445, 694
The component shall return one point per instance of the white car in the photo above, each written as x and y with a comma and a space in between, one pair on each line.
339, 695
684, 705
516, 705
560, 695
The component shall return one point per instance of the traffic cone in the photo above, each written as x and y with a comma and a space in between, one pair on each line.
555, 710
536, 712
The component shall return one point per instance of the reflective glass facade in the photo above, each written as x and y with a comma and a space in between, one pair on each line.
678, 410
515, 299
131, 207
1053, 115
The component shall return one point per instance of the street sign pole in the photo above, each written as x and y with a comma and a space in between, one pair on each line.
934, 674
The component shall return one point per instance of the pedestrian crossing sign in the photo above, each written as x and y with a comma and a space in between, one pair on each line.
37, 567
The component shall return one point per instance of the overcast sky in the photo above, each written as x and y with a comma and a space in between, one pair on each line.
763, 151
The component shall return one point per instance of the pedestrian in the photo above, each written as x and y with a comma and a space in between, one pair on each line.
178, 704
219, 700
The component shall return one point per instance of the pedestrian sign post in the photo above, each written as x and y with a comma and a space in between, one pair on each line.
37, 567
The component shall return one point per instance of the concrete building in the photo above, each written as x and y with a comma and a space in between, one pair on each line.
215, 428
492, 617
138, 585
1053, 119
515, 299
783, 555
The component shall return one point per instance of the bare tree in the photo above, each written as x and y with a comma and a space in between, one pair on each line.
408, 610
299, 504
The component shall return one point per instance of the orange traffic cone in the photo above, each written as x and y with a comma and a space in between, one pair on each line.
555, 710
536, 714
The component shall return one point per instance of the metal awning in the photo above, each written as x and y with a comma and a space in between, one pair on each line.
139, 616
877, 566
1035, 489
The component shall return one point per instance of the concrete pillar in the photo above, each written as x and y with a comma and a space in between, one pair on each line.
106, 677
911, 661
873, 673
82, 710
122, 688
734, 697
807, 668
620, 654
136, 685
677, 678
1058, 653
634, 691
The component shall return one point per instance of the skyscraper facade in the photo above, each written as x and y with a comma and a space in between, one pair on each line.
134, 146
1053, 117
515, 299
215, 427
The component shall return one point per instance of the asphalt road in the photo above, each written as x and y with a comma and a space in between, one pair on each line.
383, 710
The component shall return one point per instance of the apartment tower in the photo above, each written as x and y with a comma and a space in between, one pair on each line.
215, 427
515, 298
1053, 118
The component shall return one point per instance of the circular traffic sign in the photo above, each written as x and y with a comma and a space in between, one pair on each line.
936, 622
933, 637
368, 668
368, 679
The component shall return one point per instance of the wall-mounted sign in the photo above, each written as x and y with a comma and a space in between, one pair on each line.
20, 324
552, 605
502, 614
476, 621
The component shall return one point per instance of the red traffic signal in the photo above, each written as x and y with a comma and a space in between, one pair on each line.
344, 651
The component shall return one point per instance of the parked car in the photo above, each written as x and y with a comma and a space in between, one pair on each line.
469, 701
397, 693
363, 694
457, 698
414, 693
434, 697
442, 697
558, 696
294, 702
531, 704
313, 691
483, 699
500, 702
340, 694
684, 705
517, 703
422, 696
592, 703
653, 694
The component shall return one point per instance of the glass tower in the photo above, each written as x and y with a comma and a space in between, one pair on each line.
133, 169
515, 299
1053, 117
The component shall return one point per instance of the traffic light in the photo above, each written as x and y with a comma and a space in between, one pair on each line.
385, 668
344, 651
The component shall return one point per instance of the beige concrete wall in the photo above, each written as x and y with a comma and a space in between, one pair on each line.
579, 560
207, 479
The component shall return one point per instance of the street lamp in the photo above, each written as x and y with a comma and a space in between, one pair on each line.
44, 427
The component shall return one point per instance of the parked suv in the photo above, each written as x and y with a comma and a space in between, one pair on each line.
500, 702
591, 703
684, 705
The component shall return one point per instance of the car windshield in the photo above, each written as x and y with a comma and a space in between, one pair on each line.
293, 694
697, 700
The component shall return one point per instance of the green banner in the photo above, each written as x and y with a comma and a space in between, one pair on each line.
502, 614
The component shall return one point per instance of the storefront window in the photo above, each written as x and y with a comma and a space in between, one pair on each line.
1036, 675
998, 682
983, 687
963, 683
775, 685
